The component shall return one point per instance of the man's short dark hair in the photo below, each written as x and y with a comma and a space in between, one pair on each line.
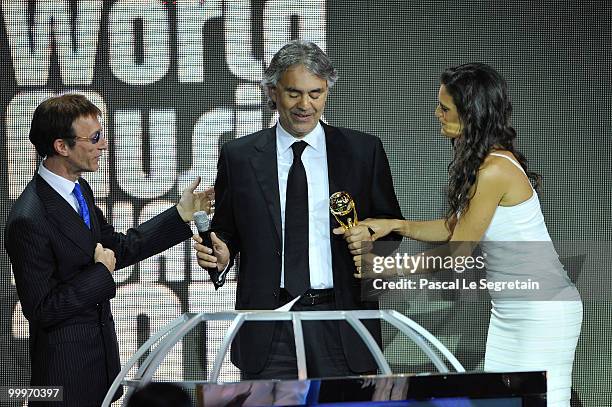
53, 120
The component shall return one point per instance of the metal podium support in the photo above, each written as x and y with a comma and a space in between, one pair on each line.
169, 335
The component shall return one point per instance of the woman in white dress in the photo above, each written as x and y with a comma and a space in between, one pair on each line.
492, 201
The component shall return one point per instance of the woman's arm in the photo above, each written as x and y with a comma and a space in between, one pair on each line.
374, 229
492, 182
427, 230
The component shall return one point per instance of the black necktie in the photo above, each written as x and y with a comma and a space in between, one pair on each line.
297, 275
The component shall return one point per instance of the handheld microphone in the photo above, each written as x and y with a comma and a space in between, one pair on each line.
203, 224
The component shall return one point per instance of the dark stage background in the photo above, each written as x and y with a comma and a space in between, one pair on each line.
176, 79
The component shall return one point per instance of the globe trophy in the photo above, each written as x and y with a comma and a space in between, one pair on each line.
342, 206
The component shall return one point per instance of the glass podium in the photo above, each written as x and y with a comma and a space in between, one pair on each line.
451, 385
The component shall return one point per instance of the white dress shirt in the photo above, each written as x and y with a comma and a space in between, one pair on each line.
61, 185
314, 159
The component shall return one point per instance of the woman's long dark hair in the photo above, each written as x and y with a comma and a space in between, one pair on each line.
483, 104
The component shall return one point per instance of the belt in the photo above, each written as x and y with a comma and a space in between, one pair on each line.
312, 296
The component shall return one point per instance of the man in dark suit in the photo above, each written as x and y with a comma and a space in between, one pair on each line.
63, 253
272, 206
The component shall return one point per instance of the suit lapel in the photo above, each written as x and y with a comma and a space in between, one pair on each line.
64, 217
264, 164
338, 162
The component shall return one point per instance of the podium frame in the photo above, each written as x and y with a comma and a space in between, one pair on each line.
172, 333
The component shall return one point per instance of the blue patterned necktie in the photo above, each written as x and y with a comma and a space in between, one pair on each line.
83, 210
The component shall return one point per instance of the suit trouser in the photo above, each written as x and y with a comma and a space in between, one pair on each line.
324, 357
324, 352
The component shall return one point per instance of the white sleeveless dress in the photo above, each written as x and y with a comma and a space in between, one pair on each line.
530, 331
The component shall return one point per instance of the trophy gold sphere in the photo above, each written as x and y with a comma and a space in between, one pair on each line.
342, 206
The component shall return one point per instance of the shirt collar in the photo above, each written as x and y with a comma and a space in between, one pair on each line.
62, 185
284, 140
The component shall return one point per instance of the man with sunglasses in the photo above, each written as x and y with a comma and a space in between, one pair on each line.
63, 253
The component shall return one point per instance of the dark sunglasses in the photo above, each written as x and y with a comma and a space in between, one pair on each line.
98, 135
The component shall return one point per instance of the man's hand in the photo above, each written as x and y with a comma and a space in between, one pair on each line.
358, 238
105, 256
217, 257
192, 201
363, 264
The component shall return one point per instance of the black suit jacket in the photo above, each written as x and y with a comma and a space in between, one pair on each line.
248, 216
65, 295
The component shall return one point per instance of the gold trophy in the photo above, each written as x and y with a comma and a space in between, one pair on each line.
342, 206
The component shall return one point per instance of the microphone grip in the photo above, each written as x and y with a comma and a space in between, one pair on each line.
203, 225
206, 240
213, 272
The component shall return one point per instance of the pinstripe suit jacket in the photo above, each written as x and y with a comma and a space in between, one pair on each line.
65, 295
